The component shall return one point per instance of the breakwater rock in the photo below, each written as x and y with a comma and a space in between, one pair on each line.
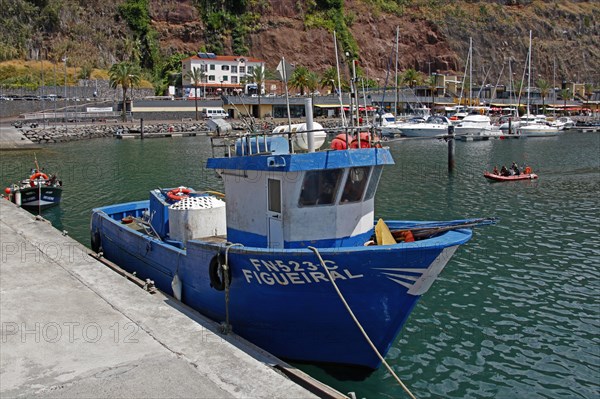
62, 133
65, 133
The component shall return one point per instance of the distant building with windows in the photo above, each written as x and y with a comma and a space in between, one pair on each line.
223, 74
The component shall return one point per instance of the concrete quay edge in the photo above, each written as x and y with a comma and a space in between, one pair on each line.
71, 327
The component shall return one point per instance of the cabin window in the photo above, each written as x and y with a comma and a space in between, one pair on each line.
274, 191
320, 187
355, 184
372, 187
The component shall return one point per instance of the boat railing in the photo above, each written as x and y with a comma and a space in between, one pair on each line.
257, 142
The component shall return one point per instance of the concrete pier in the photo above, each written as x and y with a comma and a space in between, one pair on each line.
13, 139
71, 327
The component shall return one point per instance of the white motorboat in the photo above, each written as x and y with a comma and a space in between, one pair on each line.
564, 122
434, 126
395, 129
476, 127
537, 130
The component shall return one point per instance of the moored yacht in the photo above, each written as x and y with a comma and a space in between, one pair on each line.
434, 126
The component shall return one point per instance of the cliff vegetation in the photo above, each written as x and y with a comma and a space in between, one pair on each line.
433, 36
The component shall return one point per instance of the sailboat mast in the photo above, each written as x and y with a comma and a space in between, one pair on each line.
396, 84
470, 71
529, 73
337, 67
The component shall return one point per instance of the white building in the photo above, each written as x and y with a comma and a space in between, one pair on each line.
222, 73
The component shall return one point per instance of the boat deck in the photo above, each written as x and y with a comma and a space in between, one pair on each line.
213, 239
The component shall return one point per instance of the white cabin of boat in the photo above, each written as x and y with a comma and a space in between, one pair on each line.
282, 200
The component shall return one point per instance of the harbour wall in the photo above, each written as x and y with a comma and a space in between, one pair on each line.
72, 327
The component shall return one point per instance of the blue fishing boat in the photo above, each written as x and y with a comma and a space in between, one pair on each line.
266, 259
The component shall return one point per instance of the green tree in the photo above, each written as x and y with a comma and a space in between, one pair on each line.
589, 89
85, 72
126, 75
565, 94
300, 78
259, 75
544, 87
411, 77
196, 75
329, 78
312, 83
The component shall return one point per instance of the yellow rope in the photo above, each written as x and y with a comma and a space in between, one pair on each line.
362, 330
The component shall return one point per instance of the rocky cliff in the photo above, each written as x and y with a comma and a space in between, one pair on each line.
433, 34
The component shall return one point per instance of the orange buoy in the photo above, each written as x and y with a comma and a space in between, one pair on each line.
339, 142
364, 141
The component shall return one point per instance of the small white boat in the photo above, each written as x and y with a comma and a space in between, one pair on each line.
434, 126
395, 129
476, 127
385, 119
538, 130
564, 122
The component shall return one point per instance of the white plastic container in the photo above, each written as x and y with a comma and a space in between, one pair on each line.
300, 136
197, 217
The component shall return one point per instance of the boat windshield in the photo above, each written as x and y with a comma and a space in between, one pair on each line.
372, 187
355, 184
320, 187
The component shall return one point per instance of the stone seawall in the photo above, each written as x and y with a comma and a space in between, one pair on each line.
65, 133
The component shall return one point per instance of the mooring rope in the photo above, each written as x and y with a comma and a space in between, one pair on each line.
360, 327
227, 327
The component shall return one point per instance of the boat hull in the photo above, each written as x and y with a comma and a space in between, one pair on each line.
498, 178
282, 299
420, 131
37, 197
538, 130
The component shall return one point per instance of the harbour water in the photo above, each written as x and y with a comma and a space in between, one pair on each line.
516, 313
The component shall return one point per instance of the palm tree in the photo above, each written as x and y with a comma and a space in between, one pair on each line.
312, 82
544, 87
299, 79
565, 94
329, 78
196, 75
411, 76
126, 75
259, 76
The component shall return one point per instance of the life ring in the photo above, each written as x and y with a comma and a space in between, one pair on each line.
215, 272
37, 175
34, 177
527, 170
178, 193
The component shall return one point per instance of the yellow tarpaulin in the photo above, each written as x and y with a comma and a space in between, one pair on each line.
383, 234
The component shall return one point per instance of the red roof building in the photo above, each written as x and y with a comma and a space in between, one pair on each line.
222, 74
